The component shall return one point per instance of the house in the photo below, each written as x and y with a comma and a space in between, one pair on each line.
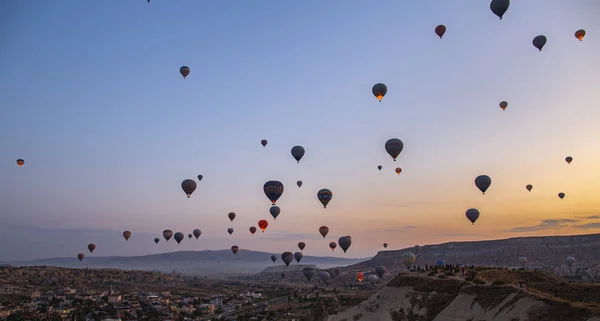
206, 308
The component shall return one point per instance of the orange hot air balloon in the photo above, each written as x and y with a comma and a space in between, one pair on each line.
20, 162
398, 170
579, 34
262, 224
503, 105
360, 276
440, 30
252, 230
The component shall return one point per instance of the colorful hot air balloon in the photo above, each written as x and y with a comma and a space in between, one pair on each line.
273, 190
385, 245
230, 231
231, 216
156, 240
197, 233
200, 177
345, 242
503, 105
332, 246
379, 90
299, 183
539, 42
235, 249
360, 276
188, 186
298, 256
263, 142
324, 196
408, 259
185, 71
167, 234
499, 7
262, 224
568, 159
472, 214
301, 246
91, 247
178, 237
398, 170
274, 210
379, 167
579, 34
483, 182
561, 195
298, 153
287, 258
252, 230
323, 230
394, 147
529, 187
20, 162
440, 30
80, 256
126, 235
273, 258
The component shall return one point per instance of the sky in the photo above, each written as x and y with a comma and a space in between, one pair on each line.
92, 99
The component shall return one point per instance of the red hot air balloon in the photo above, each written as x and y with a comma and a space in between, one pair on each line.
262, 224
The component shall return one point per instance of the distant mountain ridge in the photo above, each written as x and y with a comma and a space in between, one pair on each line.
205, 263
548, 253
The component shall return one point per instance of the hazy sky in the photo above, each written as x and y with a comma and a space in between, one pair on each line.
91, 97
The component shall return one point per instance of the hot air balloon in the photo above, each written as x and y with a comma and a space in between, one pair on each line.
398, 170
299, 183
91, 247
372, 278
252, 230
283, 275
231, 216
324, 196
323, 230
440, 30
569, 159
499, 7
385, 245
197, 233
263, 142
20, 162
394, 147
379, 90
503, 105
360, 276
167, 234
298, 153
287, 257
273, 258
273, 190
262, 224
408, 259
345, 242
380, 271
570, 260
529, 187
200, 177
483, 182
190, 236
579, 34
539, 42
188, 186
301, 246
472, 215
230, 231
522, 260
324, 276
235, 249
274, 210
185, 71
561, 195
332, 246
156, 240
80, 256
126, 235
298, 256
308, 272
178, 237
379, 167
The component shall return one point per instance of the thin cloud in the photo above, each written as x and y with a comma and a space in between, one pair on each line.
395, 229
587, 226
593, 217
545, 225
459, 234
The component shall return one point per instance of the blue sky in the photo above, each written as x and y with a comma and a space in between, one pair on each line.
91, 97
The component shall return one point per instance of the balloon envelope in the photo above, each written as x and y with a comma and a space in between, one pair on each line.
274, 210
394, 147
499, 7
273, 190
298, 153
440, 30
379, 90
345, 243
324, 196
483, 182
472, 214
185, 71
539, 42
287, 257
167, 234
188, 186
178, 237
323, 230
126, 235
197, 233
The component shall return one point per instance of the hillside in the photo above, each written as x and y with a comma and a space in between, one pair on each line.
548, 253
495, 297
204, 263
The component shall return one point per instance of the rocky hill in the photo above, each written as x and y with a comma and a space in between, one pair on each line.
492, 295
201, 263
548, 253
